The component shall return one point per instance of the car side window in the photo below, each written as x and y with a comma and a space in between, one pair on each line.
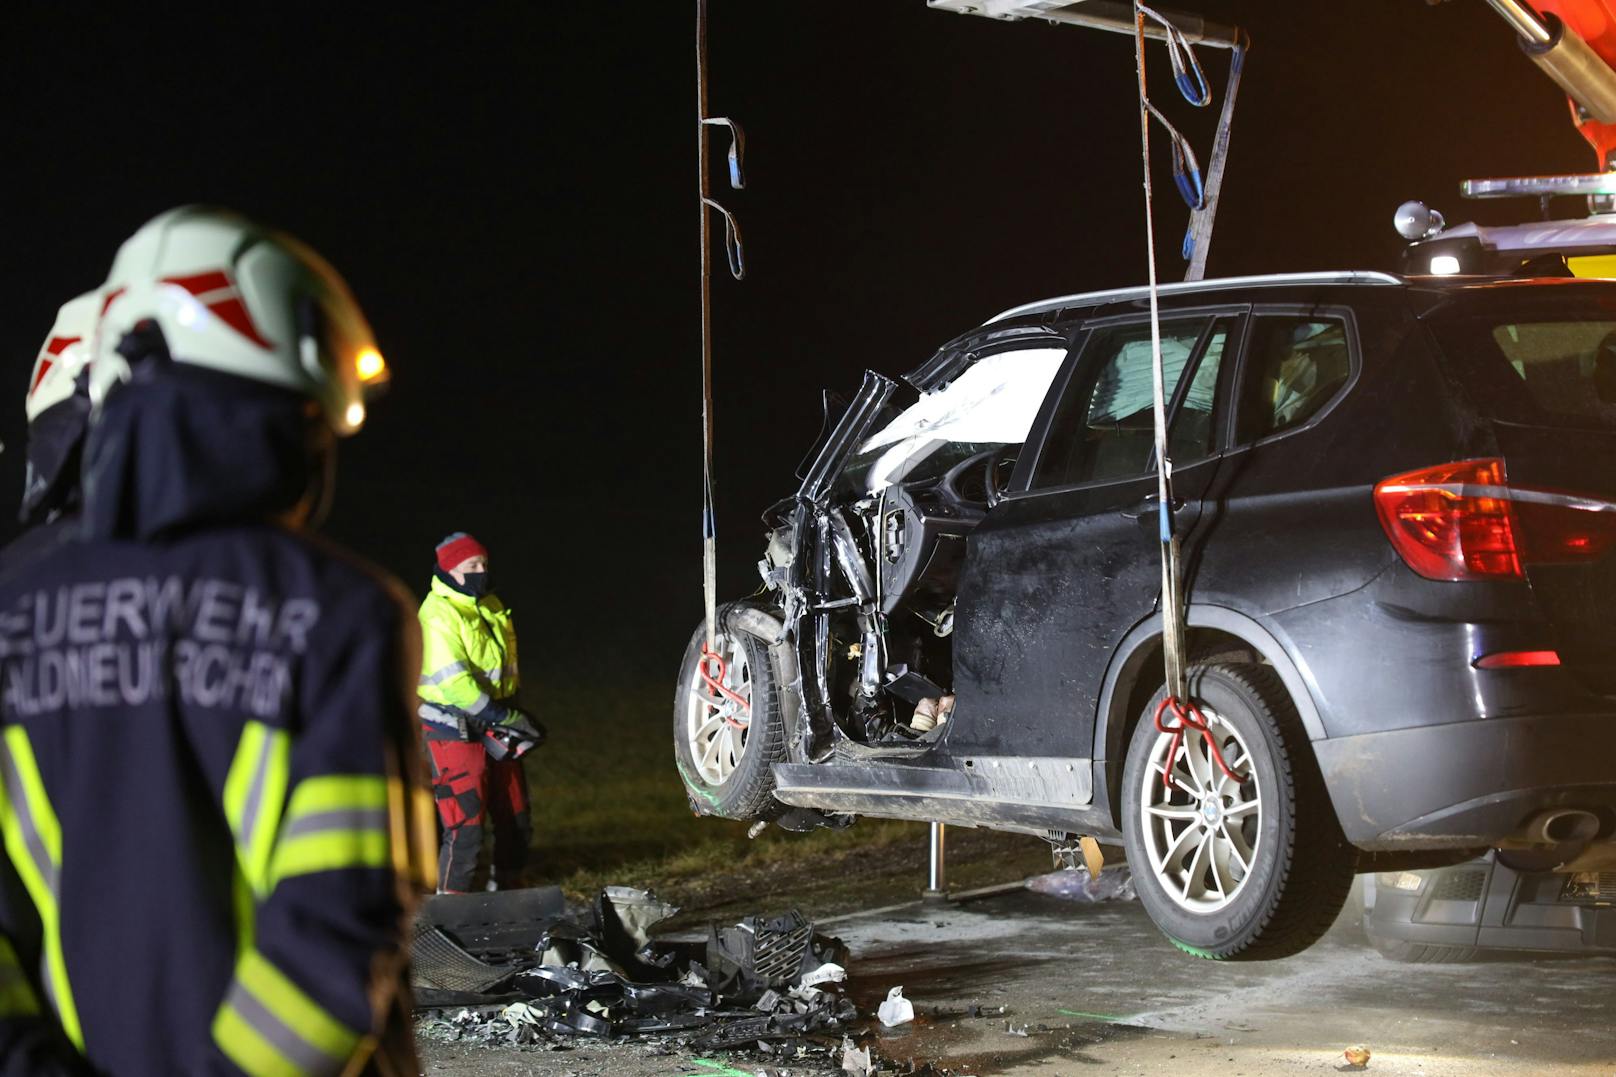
1193, 435
1294, 367
1105, 429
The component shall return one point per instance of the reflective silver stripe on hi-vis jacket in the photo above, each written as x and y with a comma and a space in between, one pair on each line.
269, 1027
443, 674
254, 791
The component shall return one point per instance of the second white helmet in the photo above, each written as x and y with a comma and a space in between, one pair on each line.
235, 297
63, 356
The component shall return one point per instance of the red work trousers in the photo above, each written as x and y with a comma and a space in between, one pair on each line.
469, 786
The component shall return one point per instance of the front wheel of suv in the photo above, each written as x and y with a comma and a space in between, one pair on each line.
727, 727
1244, 867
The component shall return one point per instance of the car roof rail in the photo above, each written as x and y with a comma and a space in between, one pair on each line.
1264, 280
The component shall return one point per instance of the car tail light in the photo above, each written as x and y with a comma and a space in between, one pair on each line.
1517, 659
1448, 522
1463, 521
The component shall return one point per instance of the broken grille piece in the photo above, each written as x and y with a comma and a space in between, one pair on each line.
436, 962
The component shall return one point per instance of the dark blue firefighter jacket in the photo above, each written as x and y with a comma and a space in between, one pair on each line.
210, 803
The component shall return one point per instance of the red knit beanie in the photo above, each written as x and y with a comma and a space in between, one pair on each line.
456, 548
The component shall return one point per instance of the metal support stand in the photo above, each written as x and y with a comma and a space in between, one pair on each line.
936, 882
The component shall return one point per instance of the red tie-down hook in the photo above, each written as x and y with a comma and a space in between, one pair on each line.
715, 681
1189, 716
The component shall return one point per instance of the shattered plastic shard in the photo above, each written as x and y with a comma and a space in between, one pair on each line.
896, 1010
520, 1013
826, 973
856, 1062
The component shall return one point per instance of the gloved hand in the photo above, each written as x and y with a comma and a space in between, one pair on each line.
512, 734
523, 725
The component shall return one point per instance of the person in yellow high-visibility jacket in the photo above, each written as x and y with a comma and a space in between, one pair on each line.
475, 734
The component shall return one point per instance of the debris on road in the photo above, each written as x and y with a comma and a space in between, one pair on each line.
523, 970
856, 1060
896, 1010
1076, 884
1357, 1056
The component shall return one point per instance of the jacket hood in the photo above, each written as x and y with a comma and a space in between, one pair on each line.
178, 447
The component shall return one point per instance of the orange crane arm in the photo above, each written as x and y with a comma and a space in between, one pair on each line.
1595, 22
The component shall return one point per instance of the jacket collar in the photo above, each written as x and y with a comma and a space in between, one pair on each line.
458, 599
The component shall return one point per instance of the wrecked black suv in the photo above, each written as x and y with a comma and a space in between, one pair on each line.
1398, 506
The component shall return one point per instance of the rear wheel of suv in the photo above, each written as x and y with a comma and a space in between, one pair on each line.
1248, 867
727, 727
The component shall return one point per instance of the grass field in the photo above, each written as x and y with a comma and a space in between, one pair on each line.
608, 807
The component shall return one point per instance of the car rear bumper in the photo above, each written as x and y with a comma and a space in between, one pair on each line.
1469, 784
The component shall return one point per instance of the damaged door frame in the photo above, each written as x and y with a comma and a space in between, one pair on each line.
807, 585
808, 579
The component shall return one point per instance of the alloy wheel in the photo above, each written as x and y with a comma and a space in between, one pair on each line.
718, 711
1202, 829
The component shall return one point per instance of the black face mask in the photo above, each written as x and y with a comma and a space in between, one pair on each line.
476, 584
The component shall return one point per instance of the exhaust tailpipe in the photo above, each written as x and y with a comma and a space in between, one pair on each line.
1560, 826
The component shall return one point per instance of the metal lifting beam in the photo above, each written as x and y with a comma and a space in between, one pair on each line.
1181, 32
1110, 15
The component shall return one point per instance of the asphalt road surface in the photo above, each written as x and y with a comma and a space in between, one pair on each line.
1095, 989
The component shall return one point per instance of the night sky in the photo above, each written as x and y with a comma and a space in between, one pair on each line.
510, 192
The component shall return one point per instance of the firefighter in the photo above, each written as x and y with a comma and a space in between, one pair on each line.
210, 805
475, 733
58, 408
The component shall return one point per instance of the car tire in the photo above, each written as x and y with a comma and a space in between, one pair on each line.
1189, 868
734, 778
1417, 953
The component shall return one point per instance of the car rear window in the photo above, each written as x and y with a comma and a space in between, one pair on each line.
1546, 365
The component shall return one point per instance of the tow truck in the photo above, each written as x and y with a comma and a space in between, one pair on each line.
1574, 43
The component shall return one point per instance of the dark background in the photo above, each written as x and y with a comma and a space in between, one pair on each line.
510, 191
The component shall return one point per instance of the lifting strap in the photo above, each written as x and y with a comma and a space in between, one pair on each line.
1171, 603
737, 268
1178, 703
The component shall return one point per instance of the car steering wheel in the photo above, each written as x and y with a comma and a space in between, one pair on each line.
983, 468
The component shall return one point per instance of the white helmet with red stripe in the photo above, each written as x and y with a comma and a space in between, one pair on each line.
233, 296
64, 355
58, 408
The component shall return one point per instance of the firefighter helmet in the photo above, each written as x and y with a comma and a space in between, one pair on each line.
63, 356
58, 409
235, 297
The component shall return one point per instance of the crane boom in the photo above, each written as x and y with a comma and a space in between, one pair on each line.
1574, 43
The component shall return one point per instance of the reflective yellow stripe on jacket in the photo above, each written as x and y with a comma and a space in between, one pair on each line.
333, 822
267, 1025
17, 998
270, 1028
33, 840
254, 793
